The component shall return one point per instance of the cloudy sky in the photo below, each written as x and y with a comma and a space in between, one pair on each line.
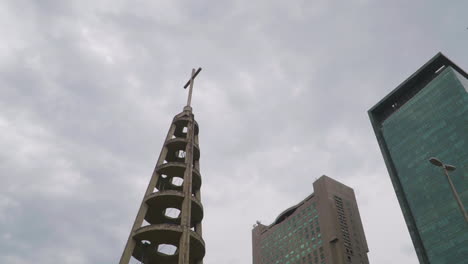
88, 89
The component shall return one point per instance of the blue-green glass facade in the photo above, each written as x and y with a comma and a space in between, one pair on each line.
431, 122
297, 240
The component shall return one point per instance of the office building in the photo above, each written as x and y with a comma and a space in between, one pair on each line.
324, 228
427, 116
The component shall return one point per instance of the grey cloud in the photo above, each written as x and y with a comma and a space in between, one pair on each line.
90, 87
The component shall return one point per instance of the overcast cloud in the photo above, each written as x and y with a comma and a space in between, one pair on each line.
88, 90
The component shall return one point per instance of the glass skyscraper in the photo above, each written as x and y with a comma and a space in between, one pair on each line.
427, 116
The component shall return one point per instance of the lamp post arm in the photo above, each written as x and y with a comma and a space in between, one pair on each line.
455, 194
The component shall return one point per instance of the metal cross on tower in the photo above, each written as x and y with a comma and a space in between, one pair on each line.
167, 228
190, 82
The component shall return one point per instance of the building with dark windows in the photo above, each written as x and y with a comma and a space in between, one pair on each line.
324, 228
427, 116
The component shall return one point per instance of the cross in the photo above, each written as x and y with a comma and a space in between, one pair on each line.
190, 82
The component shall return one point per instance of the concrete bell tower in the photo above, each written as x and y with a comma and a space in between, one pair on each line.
168, 228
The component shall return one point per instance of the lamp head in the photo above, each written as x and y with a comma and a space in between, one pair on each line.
449, 167
436, 162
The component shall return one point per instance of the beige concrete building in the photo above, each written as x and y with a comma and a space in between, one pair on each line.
324, 228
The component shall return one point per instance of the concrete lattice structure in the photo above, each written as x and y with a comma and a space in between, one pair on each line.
168, 228
323, 228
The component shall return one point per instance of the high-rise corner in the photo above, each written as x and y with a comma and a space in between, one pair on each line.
422, 131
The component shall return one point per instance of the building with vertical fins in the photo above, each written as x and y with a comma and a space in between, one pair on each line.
324, 228
427, 116
168, 225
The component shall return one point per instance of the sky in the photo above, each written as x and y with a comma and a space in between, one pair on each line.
88, 90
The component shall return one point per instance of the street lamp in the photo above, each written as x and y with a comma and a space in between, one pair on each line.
448, 168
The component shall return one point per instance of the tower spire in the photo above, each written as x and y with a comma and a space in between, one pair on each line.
190, 83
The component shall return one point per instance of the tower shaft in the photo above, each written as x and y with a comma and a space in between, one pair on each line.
167, 228
187, 204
